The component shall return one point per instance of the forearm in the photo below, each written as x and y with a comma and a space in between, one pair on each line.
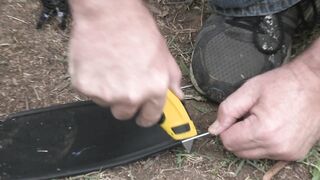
92, 9
312, 59
307, 65
115, 21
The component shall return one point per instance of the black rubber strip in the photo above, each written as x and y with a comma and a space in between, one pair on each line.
73, 139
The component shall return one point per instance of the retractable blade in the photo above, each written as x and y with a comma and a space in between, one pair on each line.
187, 143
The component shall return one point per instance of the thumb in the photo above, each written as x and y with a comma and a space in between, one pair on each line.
175, 78
235, 107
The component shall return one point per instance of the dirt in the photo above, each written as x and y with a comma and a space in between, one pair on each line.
33, 72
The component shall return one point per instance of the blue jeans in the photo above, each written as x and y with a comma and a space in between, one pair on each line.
250, 7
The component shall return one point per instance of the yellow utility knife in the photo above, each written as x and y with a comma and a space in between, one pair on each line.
177, 123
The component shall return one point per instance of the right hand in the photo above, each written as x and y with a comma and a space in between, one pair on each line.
123, 63
280, 111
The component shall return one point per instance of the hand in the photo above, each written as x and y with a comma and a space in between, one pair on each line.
281, 111
119, 59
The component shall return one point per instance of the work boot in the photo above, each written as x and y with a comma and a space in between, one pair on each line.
231, 50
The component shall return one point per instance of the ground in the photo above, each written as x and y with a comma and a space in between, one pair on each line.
33, 73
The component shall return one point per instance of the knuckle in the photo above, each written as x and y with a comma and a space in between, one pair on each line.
160, 89
107, 97
158, 94
134, 99
160, 84
267, 134
224, 108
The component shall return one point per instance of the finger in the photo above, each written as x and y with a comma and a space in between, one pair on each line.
240, 137
119, 111
99, 101
175, 78
234, 107
124, 112
257, 153
151, 112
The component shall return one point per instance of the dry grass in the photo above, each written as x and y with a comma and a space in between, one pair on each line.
33, 71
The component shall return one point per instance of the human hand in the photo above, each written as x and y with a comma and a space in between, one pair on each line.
281, 111
119, 59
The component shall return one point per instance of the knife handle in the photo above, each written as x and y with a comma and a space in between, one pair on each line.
176, 121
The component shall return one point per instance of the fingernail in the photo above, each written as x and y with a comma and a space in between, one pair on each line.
214, 128
181, 96
138, 123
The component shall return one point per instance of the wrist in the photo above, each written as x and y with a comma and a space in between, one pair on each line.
306, 66
112, 17
105, 10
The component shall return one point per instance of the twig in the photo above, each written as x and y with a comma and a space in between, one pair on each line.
232, 163
37, 94
187, 31
240, 166
61, 86
174, 18
191, 97
203, 144
173, 38
202, 7
170, 169
77, 98
4, 44
187, 86
17, 19
181, 52
178, 2
310, 164
275, 169
27, 103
